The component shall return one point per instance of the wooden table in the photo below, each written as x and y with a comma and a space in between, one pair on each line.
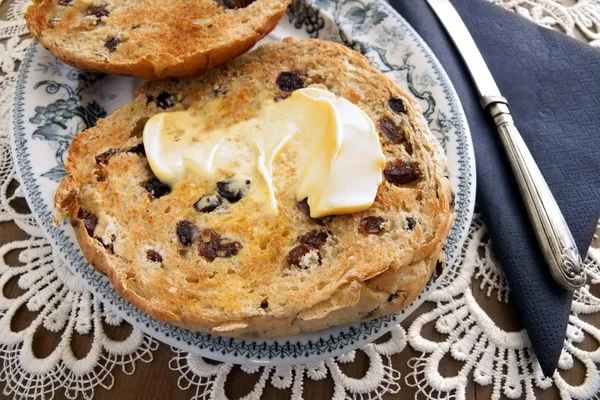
156, 381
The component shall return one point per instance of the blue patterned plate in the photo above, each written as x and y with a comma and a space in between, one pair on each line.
53, 102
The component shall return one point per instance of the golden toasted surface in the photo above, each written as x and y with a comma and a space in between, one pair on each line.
151, 39
155, 245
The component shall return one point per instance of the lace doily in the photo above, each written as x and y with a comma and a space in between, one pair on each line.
59, 301
381, 378
577, 18
490, 356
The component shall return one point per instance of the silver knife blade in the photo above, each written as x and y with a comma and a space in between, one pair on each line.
458, 32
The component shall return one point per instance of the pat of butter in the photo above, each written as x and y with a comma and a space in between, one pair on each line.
333, 145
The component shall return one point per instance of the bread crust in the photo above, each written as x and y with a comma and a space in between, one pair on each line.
159, 59
361, 276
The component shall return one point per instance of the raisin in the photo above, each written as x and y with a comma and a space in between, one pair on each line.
102, 158
185, 231
390, 131
112, 44
397, 106
290, 81
98, 11
410, 223
297, 254
211, 246
303, 206
314, 238
439, 268
264, 304
229, 249
110, 247
371, 225
399, 172
392, 297
99, 175
164, 100
232, 190
139, 149
208, 204
220, 89
89, 220
138, 128
64, 2
234, 4
437, 272
157, 188
153, 256
282, 97
209, 243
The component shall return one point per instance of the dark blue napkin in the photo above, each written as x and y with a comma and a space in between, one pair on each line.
552, 83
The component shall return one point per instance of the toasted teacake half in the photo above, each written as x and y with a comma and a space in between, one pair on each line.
151, 39
367, 264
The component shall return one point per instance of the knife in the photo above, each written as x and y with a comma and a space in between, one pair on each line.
551, 230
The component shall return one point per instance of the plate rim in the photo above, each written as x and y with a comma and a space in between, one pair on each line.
34, 198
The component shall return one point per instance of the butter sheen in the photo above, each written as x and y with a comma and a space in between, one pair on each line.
331, 143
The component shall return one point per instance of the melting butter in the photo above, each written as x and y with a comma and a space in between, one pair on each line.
332, 144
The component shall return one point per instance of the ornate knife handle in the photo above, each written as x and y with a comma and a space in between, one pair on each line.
552, 232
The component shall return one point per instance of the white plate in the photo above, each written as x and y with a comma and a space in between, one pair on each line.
53, 102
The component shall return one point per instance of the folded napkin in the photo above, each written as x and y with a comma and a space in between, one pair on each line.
552, 83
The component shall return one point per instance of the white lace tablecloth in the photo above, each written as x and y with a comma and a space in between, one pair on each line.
489, 355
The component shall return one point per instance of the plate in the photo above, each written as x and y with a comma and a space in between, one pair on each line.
53, 102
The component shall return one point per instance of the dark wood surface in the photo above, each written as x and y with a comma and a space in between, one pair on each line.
155, 380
